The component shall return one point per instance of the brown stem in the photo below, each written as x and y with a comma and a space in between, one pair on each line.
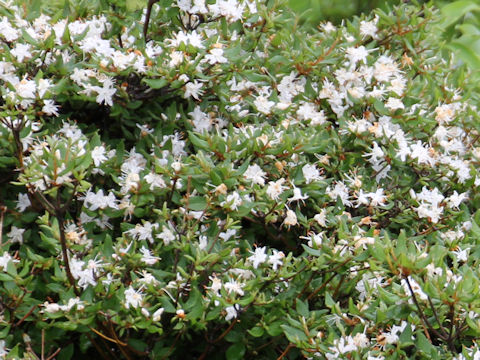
306, 285
3, 209
172, 346
51, 357
210, 248
317, 290
63, 243
19, 322
147, 17
99, 349
119, 343
420, 311
437, 319
222, 335
285, 352
205, 352
42, 356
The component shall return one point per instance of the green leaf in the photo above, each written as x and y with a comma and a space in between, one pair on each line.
302, 308
197, 203
137, 344
235, 352
133, 5
197, 142
156, 83
256, 331
454, 11
310, 251
423, 344
294, 335
465, 53
66, 353
275, 328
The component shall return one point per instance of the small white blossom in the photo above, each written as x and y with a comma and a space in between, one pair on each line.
259, 256
133, 298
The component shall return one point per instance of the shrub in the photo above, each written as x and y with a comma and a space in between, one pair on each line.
207, 180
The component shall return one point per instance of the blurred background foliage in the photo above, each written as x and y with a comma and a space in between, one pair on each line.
459, 21
313, 12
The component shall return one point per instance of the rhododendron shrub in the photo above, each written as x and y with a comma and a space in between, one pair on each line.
191, 179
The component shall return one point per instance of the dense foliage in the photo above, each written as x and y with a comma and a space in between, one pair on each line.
208, 180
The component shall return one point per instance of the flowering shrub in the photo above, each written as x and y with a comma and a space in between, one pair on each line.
206, 180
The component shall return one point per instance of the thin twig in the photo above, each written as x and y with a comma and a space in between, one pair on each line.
99, 349
3, 209
63, 243
147, 18
106, 337
19, 322
51, 357
436, 318
222, 335
285, 352
43, 345
420, 311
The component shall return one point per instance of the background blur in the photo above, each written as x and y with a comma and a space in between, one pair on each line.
459, 22
315, 11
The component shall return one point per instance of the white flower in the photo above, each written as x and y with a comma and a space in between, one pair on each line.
377, 198
100, 201
166, 235
361, 340
133, 298
155, 180
340, 190
290, 218
445, 113
98, 155
258, 256
21, 51
369, 28
416, 288
23, 202
255, 174
328, 27
193, 89
143, 232
147, 256
394, 104
321, 218
461, 255
455, 199
356, 54
50, 108
16, 235
263, 104
276, 259
147, 278
314, 239
297, 196
5, 259
232, 312
233, 286
51, 307
216, 56
104, 94
275, 188
156, 316
216, 285
311, 173
233, 201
